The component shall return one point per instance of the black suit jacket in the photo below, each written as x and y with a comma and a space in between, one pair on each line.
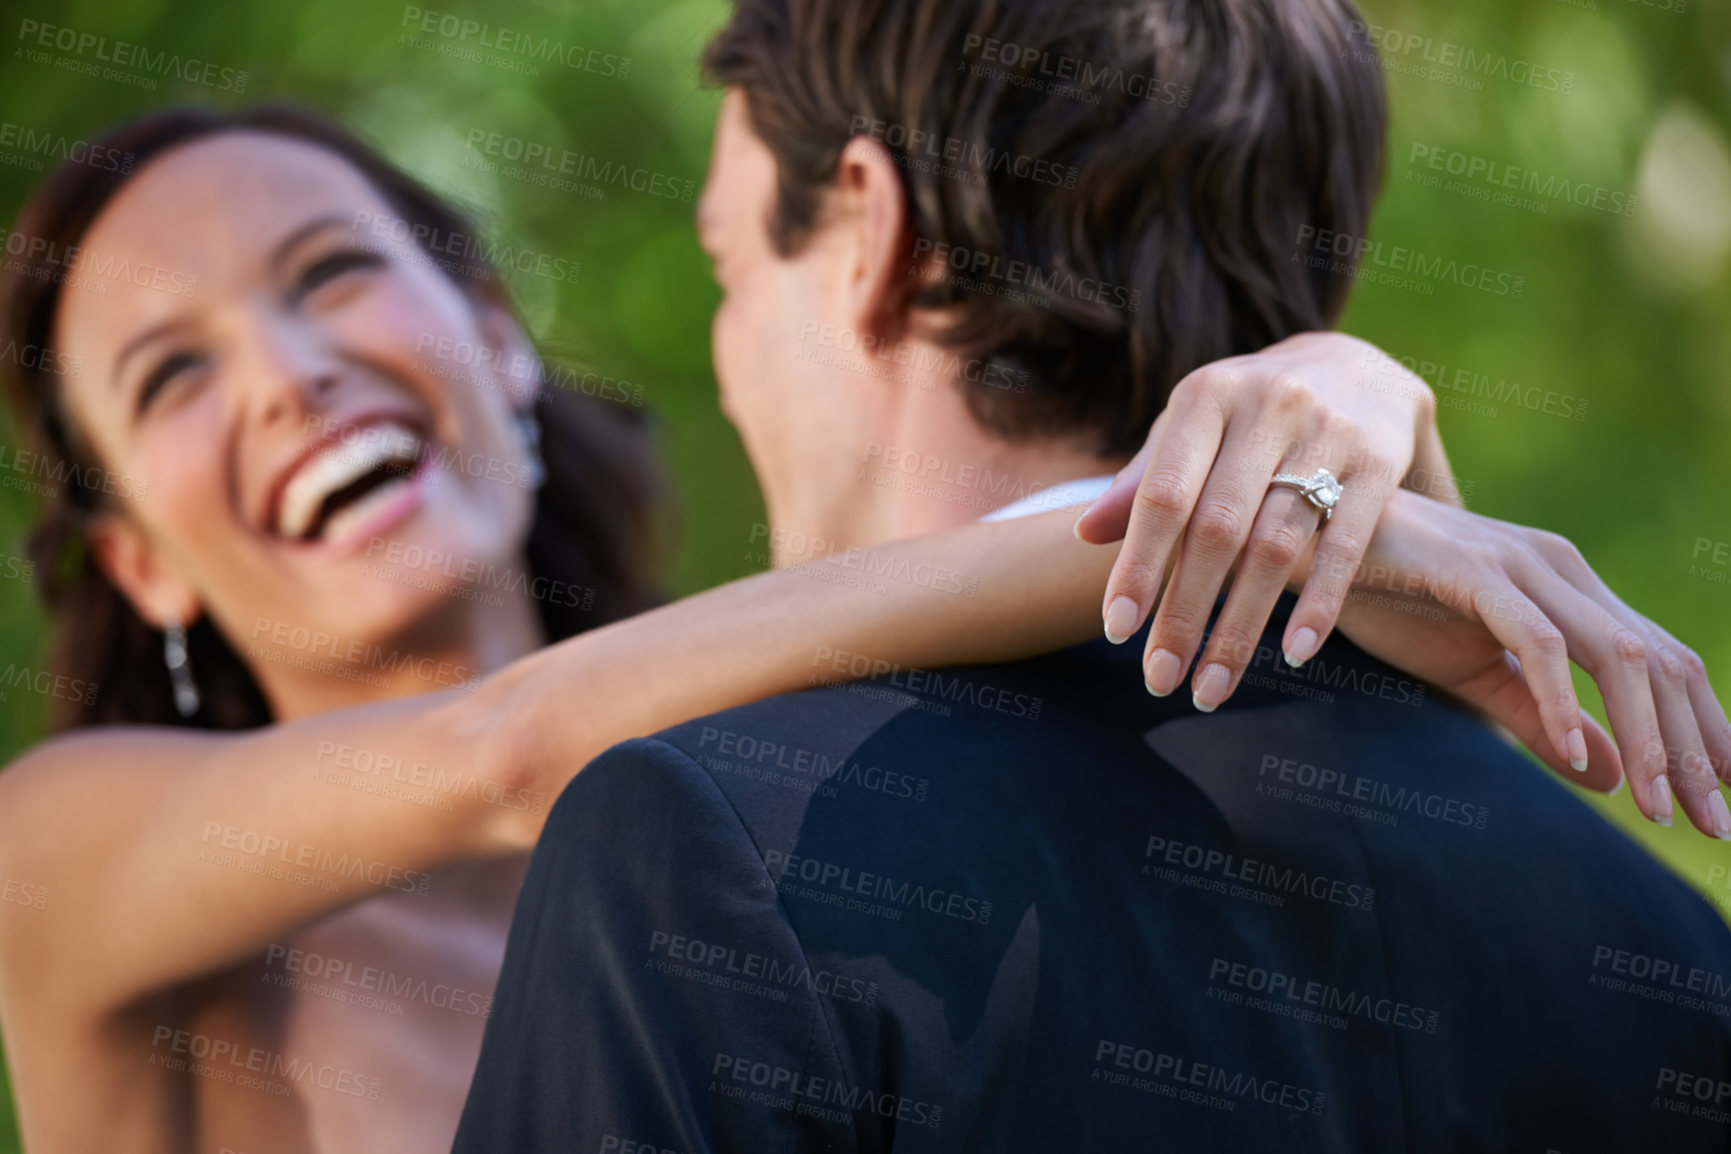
1031, 908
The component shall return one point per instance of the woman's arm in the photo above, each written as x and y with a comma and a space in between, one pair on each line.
1495, 614
162, 855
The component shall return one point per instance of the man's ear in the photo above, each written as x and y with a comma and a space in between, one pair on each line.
519, 363
135, 566
874, 200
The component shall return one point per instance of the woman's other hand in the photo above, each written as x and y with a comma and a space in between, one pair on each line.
1494, 613
1197, 501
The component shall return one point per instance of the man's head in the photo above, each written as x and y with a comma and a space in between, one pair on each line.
1035, 215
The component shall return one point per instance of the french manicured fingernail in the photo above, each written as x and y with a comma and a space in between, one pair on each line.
1662, 801
1076, 527
1211, 686
1618, 788
1164, 670
1577, 750
1721, 816
1120, 620
1303, 647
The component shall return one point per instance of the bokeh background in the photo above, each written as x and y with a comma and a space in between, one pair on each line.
1623, 316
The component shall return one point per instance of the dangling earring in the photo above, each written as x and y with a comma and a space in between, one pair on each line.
536, 472
179, 667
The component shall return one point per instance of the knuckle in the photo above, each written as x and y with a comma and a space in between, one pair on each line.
1422, 392
1162, 495
1545, 638
1559, 549
1288, 392
1341, 547
1669, 666
1560, 701
1693, 667
1628, 647
1136, 580
1544, 541
1215, 380
1178, 623
1276, 548
1218, 528
1209, 376
1342, 431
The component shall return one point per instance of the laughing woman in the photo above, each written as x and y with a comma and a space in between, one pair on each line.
272, 856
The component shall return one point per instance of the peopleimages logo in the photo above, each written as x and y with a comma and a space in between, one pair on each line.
320, 974
219, 837
1309, 1000
24, 894
541, 49
1496, 176
1199, 862
924, 362
1334, 784
148, 65
224, 1060
741, 749
466, 254
954, 150
1462, 388
755, 967
767, 1084
1201, 1083
1701, 1095
841, 880
990, 273
944, 687
86, 270
43, 143
548, 165
362, 654
1045, 71
1450, 63
1391, 264
1665, 973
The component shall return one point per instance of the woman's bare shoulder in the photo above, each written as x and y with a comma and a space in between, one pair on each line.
89, 769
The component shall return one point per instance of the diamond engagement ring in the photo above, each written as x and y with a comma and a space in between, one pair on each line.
1320, 489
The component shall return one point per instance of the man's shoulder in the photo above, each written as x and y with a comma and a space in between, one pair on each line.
995, 857
840, 739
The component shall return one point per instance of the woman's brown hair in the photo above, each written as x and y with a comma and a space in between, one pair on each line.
598, 523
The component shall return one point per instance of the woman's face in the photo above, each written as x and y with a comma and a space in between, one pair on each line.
309, 442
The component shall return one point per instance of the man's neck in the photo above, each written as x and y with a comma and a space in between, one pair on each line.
923, 477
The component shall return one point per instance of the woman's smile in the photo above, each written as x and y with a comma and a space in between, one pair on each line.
359, 480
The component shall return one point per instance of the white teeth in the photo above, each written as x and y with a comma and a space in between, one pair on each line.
341, 465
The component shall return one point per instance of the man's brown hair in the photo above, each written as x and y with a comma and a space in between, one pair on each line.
1111, 192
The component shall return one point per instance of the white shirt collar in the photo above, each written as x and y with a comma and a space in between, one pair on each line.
1064, 495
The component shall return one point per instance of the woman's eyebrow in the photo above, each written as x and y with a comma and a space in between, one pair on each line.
141, 340
285, 248
279, 256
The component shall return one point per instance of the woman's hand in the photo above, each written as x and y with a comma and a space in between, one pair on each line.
1493, 614
1200, 491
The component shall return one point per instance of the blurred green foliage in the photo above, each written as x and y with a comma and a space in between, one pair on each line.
1628, 313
